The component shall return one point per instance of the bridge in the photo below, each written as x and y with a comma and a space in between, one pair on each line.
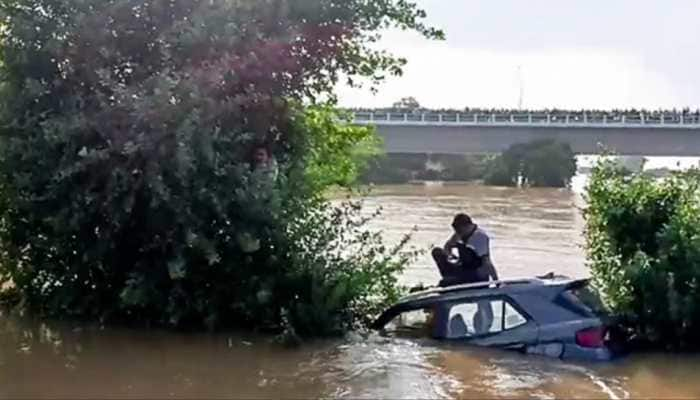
641, 134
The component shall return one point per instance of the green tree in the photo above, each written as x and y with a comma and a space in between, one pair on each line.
643, 246
407, 103
499, 173
539, 163
127, 129
549, 164
338, 153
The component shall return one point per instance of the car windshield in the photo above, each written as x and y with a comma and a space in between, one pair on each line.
414, 323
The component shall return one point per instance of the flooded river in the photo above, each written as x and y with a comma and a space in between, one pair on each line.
534, 231
59, 361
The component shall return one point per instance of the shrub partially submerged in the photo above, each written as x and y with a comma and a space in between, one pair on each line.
539, 163
128, 189
643, 245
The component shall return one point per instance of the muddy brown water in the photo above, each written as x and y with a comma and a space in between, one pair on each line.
533, 231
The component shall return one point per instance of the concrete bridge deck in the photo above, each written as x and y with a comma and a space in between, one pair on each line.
457, 134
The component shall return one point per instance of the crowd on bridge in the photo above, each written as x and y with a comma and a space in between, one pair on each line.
614, 115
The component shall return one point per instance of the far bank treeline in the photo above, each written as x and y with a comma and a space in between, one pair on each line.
539, 163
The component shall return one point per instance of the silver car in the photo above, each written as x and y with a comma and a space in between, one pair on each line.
553, 317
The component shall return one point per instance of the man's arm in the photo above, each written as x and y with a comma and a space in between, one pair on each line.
490, 268
451, 242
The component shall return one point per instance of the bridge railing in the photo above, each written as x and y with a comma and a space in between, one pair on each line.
535, 119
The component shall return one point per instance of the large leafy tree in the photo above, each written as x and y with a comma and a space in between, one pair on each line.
407, 103
127, 128
539, 163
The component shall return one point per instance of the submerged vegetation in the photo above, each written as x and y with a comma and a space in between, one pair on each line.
398, 168
130, 187
539, 163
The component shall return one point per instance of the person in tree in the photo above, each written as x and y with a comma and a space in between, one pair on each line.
473, 246
264, 162
264, 171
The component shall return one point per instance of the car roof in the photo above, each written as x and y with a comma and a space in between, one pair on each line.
545, 288
495, 288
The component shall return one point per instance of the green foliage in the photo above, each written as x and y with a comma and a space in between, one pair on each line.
382, 170
643, 245
500, 173
462, 167
540, 163
458, 167
402, 168
393, 168
128, 188
338, 152
407, 103
343, 268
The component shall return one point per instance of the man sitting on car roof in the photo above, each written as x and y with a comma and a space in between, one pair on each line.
474, 263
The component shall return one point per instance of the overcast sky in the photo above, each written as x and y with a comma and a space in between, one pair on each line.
571, 53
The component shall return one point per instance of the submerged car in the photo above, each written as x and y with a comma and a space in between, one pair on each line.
553, 316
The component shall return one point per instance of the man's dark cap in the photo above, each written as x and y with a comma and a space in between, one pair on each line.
461, 220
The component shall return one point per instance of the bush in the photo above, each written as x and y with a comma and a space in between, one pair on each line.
499, 173
472, 168
541, 163
643, 245
395, 168
460, 167
402, 168
127, 186
343, 273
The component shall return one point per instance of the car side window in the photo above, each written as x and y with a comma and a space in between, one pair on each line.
411, 323
482, 317
512, 318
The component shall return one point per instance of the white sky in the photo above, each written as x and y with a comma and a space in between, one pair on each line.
572, 54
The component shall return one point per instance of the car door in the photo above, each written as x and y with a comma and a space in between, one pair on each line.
491, 321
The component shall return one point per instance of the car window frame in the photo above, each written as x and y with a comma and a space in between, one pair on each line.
506, 299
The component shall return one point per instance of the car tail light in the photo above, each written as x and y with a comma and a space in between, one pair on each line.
591, 337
